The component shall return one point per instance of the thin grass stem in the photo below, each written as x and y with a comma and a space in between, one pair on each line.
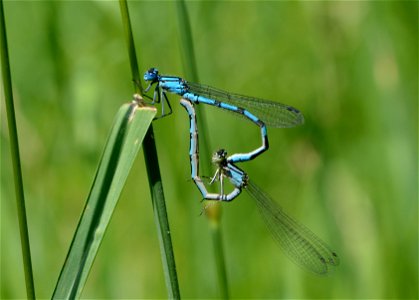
14, 150
217, 240
131, 47
153, 172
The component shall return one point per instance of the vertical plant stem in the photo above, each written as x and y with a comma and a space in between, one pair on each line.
214, 211
160, 215
131, 47
14, 149
188, 53
217, 240
153, 172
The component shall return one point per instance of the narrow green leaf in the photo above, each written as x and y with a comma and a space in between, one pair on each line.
218, 248
131, 46
160, 216
125, 139
14, 150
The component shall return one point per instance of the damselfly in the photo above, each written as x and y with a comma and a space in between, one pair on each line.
299, 243
260, 112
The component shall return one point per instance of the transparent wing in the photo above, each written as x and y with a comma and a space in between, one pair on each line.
300, 244
271, 113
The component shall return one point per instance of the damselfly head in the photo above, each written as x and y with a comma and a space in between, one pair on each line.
151, 75
219, 157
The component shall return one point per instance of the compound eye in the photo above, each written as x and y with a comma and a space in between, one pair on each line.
151, 75
152, 72
221, 153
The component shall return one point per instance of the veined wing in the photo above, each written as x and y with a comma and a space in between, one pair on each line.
272, 113
300, 244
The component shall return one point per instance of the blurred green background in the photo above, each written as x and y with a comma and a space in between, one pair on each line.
350, 173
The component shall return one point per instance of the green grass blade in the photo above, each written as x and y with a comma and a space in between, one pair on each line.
125, 139
131, 46
160, 216
153, 172
14, 150
186, 44
217, 241
214, 212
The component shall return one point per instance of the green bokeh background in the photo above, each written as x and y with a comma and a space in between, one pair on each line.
350, 173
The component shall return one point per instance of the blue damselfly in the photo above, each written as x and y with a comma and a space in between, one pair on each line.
260, 112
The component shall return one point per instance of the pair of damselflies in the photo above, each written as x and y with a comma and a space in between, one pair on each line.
299, 243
